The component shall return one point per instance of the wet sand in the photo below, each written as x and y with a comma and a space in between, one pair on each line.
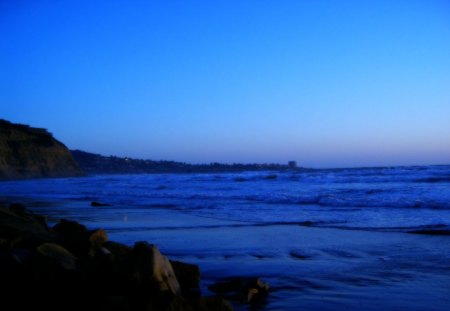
308, 268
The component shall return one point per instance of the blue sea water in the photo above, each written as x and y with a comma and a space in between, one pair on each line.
333, 239
387, 198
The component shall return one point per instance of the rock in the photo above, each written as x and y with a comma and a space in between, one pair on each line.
73, 236
13, 277
22, 231
241, 289
82, 270
118, 250
103, 274
188, 275
69, 228
56, 268
98, 204
214, 304
22, 256
58, 254
202, 304
121, 259
253, 295
9, 265
18, 209
114, 303
77, 239
5, 244
21, 211
104, 252
153, 269
96, 240
167, 302
27, 152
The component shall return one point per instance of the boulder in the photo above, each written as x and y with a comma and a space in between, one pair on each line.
22, 256
54, 272
170, 302
22, 231
96, 240
77, 239
113, 303
188, 275
82, 270
69, 228
10, 267
73, 236
153, 270
216, 303
118, 250
121, 259
18, 209
241, 289
21, 211
58, 254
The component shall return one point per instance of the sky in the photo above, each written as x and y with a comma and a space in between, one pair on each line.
326, 83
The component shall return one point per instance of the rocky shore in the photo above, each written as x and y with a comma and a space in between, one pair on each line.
68, 267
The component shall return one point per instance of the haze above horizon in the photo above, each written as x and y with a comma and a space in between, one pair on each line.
325, 83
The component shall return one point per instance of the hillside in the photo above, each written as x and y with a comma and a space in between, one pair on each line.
98, 164
27, 152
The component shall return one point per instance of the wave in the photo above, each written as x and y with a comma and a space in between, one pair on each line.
244, 224
331, 200
432, 232
435, 179
430, 229
351, 175
348, 197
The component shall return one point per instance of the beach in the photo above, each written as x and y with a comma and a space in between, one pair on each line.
307, 267
323, 239
225, 155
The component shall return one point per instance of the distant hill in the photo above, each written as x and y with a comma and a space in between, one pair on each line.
98, 164
28, 152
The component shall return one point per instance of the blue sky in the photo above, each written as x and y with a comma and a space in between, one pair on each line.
326, 83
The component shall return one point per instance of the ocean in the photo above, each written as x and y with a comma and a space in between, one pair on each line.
329, 239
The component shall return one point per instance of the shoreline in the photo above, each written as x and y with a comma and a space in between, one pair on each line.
313, 268
82, 260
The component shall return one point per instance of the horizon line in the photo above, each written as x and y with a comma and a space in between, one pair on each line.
267, 163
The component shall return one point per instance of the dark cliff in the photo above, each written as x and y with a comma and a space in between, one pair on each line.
27, 152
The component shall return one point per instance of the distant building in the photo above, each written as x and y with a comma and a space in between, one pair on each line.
292, 164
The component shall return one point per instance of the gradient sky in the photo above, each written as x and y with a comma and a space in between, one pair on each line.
326, 83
